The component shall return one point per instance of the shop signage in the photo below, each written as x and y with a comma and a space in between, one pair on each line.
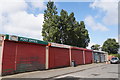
60, 45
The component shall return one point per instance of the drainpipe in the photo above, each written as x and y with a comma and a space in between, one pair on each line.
92, 57
83, 56
16, 57
70, 57
47, 57
1, 55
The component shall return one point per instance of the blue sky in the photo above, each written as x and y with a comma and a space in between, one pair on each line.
25, 18
82, 10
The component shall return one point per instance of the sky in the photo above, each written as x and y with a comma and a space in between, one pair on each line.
25, 17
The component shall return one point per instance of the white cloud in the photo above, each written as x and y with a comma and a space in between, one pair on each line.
16, 20
90, 44
119, 38
38, 4
110, 8
116, 39
12, 6
24, 24
90, 22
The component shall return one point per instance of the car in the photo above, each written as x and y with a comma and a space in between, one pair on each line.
114, 60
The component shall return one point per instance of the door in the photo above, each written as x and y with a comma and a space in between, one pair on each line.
88, 57
58, 57
77, 56
30, 57
8, 58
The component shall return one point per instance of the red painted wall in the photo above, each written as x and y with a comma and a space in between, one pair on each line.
77, 56
58, 57
8, 59
30, 57
21, 57
88, 57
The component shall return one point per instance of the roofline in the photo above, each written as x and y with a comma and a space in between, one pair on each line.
23, 39
99, 51
84, 49
58, 45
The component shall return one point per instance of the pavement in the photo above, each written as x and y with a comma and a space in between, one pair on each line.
103, 71
100, 70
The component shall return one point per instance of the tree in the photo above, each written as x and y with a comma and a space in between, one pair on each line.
110, 46
63, 25
64, 28
49, 30
82, 35
95, 47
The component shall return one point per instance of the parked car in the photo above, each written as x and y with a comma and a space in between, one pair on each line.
114, 60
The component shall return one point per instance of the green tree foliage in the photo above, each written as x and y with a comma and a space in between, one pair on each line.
110, 46
63, 28
116, 55
95, 47
49, 30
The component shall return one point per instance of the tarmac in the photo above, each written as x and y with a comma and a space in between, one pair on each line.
52, 73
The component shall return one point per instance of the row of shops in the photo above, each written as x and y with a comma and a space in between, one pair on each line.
21, 54
100, 56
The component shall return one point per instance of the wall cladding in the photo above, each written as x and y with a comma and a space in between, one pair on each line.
58, 57
88, 57
22, 57
27, 56
30, 57
77, 56
8, 59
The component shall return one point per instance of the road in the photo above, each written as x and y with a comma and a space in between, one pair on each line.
104, 71
83, 71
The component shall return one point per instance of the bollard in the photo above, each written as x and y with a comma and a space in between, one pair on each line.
73, 63
96, 61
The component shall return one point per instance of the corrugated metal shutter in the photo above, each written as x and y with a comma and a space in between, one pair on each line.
30, 57
77, 56
88, 57
21, 57
58, 57
8, 61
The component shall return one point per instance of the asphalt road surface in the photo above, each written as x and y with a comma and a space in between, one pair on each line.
104, 71
83, 72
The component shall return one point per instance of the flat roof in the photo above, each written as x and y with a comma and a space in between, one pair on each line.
81, 48
59, 45
99, 51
